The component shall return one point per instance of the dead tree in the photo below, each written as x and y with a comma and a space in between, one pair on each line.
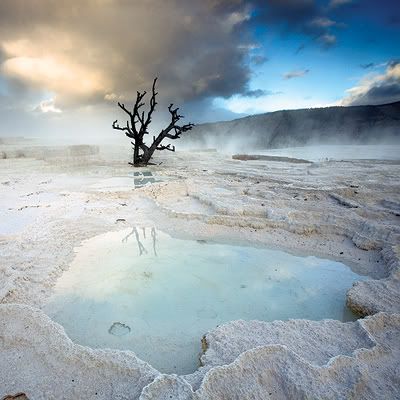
138, 126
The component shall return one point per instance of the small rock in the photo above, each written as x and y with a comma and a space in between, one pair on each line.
18, 396
118, 329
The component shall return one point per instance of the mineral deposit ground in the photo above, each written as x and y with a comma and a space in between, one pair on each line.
53, 199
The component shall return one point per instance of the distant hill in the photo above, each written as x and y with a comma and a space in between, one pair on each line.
289, 128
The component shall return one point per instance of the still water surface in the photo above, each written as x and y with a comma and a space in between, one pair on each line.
142, 290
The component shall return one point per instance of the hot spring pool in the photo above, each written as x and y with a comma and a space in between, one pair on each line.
142, 290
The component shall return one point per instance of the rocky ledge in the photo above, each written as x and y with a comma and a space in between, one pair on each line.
243, 360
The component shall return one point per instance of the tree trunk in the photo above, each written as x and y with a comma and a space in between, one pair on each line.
135, 154
146, 156
138, 123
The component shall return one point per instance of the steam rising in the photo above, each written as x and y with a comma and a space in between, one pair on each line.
292, 128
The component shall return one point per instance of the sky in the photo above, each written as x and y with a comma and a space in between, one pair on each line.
64, 64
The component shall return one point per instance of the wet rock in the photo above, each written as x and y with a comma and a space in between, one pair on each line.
18, 396
118, 329
343, 202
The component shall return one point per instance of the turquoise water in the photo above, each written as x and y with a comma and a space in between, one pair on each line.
142, 290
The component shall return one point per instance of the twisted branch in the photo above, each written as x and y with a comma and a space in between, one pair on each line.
167, 147
139, 124
128, 131
153, 103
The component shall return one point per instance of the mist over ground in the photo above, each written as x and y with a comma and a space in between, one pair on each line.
365, 125
312, 134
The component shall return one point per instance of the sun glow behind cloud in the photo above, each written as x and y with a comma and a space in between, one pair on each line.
122, 46
214, 58
47, 106
51, 71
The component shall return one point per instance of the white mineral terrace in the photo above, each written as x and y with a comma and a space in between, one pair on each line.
55, 201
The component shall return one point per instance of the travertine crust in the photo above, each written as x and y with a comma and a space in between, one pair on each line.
348, 211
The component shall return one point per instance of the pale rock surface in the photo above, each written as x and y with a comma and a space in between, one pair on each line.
53, 199
245, 360
37, 358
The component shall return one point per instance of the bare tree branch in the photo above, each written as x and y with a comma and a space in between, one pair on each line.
128, 131
139, 124
153, 103
167, 147
122, 106
135, 113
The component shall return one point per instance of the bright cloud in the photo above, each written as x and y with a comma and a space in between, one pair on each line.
376, 88
47, 106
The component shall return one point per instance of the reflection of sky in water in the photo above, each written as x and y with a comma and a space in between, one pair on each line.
132, 180
143, 178
169, 292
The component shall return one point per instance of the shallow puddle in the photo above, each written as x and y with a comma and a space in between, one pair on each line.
142, 290
134, 180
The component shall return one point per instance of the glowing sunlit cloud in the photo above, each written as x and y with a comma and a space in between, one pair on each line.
48, 106
55, 75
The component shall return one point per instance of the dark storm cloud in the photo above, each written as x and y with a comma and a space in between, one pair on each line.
293, 13
377, 89
386, 92
215, 77
90, 51
306, 17
384, 12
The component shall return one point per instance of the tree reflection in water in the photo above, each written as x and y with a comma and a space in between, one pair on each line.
142, 249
